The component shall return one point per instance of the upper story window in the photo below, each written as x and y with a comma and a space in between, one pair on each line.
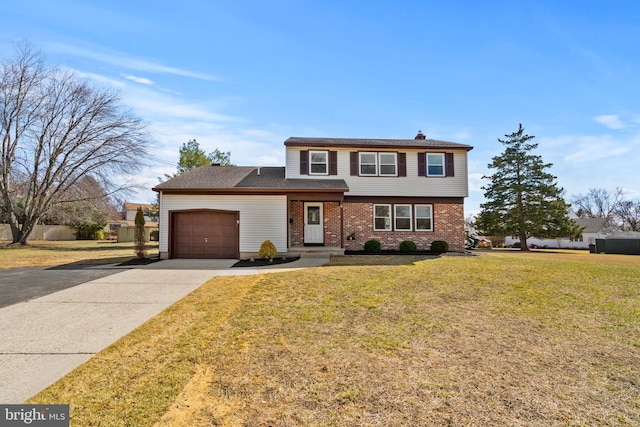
368, 164
435, 164
318, 162
388, 164
378, 164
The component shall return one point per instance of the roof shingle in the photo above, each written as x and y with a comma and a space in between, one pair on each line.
374, 143
242, 178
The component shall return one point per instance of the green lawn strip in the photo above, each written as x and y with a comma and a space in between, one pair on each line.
134, 381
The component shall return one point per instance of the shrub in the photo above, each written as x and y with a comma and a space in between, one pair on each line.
439, 246
408, 246
154, 235
88, 231
372, 246
267, 250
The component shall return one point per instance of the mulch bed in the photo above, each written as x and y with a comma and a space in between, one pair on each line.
390, 252
262, 262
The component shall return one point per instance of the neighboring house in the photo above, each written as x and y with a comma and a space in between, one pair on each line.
130, 210
335, 193
592, 229
122, 228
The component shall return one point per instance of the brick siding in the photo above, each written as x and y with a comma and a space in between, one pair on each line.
448, 225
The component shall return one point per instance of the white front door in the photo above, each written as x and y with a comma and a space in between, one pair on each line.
313, 223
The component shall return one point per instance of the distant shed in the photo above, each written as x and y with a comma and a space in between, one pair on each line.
626, 242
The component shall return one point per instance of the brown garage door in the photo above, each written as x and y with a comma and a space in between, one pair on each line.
205, 234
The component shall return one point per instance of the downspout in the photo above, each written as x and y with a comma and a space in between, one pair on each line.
341, 224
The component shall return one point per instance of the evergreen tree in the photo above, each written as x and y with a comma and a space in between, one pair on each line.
138, 235
523, 198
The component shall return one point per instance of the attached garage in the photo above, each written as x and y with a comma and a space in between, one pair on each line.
205, 233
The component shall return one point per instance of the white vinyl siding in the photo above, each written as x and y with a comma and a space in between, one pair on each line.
261, 217
410, 186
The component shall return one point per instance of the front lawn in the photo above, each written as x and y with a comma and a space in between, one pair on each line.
49, 252
505, 338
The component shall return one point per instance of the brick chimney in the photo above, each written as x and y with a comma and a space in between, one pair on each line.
420, 135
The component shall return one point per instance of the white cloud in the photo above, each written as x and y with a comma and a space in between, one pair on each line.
590, 148
126, 61
141, 80
462, 135
612, 121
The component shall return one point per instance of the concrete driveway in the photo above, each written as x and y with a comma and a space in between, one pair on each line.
22, 284
45, 338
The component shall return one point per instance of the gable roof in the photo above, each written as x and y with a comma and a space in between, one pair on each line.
374, 143
239, 179
591, 225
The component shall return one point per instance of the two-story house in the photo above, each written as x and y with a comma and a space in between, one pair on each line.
333, 192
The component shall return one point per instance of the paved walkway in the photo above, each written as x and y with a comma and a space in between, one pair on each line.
45, 338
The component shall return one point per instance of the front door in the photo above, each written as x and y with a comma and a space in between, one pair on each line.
313, 224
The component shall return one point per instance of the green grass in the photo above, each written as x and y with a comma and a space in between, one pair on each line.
501, 339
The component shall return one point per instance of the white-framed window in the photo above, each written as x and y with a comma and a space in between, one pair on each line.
382, 217
424, 217
378, 164
388, 164
402, 217
368, 164
318, 162
435, 164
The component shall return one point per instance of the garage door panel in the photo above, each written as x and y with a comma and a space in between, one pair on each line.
205, 234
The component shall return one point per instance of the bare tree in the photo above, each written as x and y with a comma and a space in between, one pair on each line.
56, 129
597, 203
628, 211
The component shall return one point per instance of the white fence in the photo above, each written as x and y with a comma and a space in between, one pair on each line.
42, 232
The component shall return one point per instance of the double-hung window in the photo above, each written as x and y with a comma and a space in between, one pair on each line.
424, 217
378, 164
368, 164
402, 217
318, 162
435, 164
382, 217
388, 162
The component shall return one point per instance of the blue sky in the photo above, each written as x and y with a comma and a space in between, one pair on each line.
242, 76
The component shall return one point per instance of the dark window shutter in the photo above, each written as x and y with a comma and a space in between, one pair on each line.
448, 160
304, 162
422, 164
402, 164
354, 163
333, 163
